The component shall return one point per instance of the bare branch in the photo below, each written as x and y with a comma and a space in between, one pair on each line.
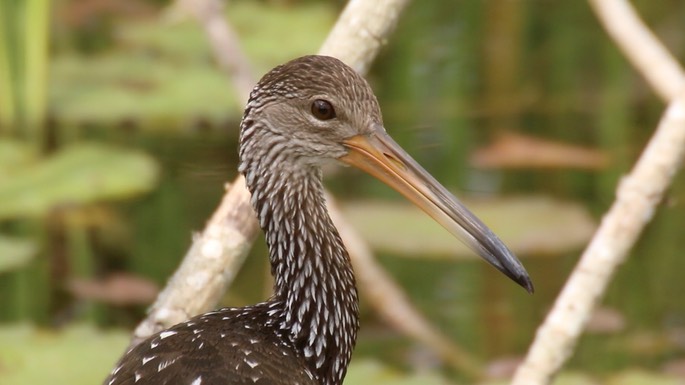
637, 197
225, 42
641, 47
209, 266
362, 30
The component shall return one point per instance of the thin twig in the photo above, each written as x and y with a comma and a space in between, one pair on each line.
362, 30
644, 50
225, 43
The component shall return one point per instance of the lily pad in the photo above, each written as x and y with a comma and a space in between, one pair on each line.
76, 355
564, 378
78, 175
161, 72
373, 372
528, 225
641, 377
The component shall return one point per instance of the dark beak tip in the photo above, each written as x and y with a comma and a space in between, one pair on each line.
524, 281
507, 263
517, 274
527, 284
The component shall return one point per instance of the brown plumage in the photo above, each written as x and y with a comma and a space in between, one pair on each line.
302, 114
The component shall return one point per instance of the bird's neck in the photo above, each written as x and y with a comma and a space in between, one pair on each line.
313, 275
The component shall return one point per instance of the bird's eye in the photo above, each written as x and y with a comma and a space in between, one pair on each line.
323, 109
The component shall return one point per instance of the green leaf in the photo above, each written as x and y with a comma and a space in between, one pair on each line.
528, 225
637, 376
373, 372
564, 378
77, 175
161, 72
75, 355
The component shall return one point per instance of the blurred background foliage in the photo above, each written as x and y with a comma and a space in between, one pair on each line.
118, 132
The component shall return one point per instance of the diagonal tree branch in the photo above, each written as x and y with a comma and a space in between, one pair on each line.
661, 70
637, 197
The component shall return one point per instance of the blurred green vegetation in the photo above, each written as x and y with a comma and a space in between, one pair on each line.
23, 67
118, 131
162, 75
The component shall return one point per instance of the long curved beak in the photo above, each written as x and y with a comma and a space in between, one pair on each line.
379, 155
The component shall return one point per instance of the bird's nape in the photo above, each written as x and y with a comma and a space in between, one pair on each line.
379, 155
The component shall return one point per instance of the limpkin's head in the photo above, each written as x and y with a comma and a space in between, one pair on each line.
315, 109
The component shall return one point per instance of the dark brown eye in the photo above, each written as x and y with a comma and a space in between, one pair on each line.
323, 110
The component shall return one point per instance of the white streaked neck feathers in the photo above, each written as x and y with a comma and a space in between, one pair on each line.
312, 271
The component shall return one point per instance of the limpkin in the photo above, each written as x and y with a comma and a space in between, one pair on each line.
301, 115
